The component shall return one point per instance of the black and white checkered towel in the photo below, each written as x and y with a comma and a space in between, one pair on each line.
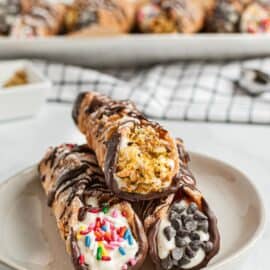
193, 91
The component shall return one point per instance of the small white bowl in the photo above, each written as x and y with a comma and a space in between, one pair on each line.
25, 100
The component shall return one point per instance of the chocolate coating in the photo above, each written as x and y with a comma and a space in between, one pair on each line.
73, 169
152, 228
76, 106
90, 108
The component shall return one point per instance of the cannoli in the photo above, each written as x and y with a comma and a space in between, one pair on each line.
9, 10
42, 20
256, 19
225, 17
88, 17
167, 16
182, 230
100, 230
139, 157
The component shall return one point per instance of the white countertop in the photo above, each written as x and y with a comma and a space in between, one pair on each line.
23, 143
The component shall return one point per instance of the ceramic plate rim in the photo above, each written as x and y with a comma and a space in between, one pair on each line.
248, 245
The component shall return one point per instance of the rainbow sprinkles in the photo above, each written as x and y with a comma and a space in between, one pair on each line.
105, 239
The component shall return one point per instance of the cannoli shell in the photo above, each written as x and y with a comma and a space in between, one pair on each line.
159, 209
105, 139
70, 176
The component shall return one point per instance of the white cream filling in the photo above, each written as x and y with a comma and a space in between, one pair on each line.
199, 257
165, 246
90, 253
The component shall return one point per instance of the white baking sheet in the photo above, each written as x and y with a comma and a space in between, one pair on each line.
137, 49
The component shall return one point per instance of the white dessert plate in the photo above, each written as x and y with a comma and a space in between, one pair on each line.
30, 241
136, 49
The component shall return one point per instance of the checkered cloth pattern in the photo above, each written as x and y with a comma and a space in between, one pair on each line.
188, 90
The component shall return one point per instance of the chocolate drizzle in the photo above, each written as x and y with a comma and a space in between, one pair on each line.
95, 104
83, 181
102, 119
76, 106
66, 177
51, 157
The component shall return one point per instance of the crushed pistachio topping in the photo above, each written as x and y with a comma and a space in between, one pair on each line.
145, 161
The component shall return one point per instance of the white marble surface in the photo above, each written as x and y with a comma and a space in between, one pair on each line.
23, 142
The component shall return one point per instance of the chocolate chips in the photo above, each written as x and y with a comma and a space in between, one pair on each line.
194, 236
184, 260
192, 208
200, 216
178, 207
203, 226
180, 242
167, 263
177, 224
195, 245
189, 252
189, 227
169, 233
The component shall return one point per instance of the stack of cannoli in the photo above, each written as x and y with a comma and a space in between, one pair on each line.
128, 189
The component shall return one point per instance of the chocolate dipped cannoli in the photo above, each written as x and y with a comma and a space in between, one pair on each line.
100, 230
182, 230
88, 17
139, 157
42, 20
256, 19
167, 16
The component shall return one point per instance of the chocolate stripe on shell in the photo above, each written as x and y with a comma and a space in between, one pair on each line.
76, 106
68, 176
